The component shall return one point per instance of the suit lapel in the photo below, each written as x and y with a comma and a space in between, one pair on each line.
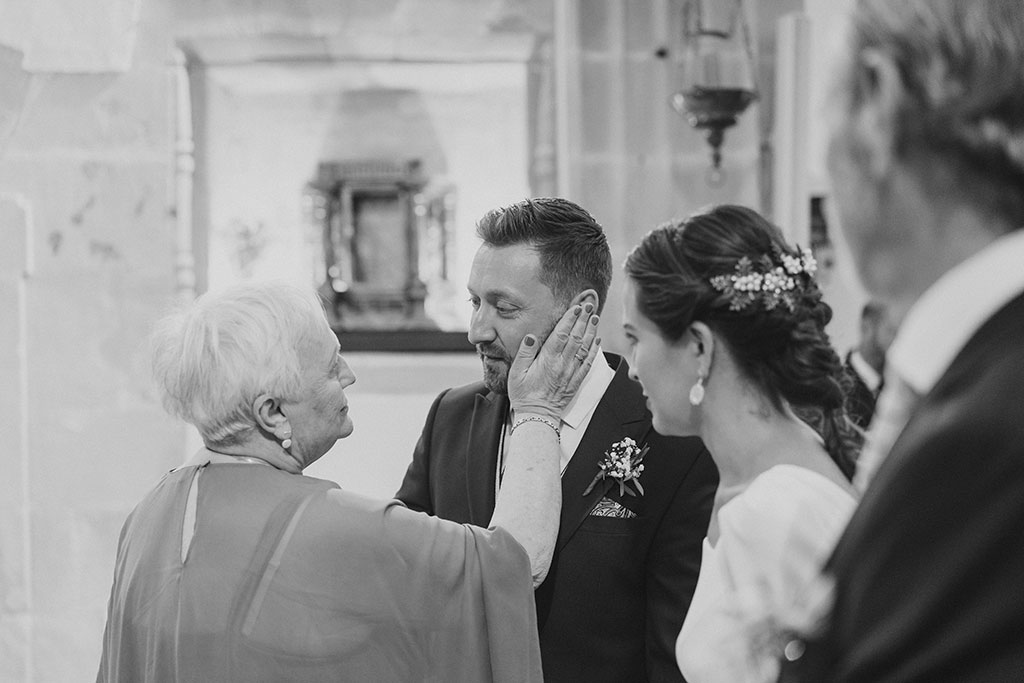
616, 417
485, 429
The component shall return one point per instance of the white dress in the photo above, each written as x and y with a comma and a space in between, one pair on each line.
773, 539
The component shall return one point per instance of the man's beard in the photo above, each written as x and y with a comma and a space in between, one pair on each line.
496, 363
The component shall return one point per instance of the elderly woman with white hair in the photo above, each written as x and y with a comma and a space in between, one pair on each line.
237, 567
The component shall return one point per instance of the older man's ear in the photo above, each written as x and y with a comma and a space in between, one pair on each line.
883, 92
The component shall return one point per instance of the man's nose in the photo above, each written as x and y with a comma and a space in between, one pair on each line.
481, 331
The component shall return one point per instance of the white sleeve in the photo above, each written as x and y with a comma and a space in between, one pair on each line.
773, 540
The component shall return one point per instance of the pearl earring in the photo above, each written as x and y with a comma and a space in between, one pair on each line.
286, 443
697, 391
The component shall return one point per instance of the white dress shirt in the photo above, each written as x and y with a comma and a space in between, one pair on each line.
935, 330
576, 417
867, 374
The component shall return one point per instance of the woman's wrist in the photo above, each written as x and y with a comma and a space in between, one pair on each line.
541, 409
522, 419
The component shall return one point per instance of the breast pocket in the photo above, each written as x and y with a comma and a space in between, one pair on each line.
611, 526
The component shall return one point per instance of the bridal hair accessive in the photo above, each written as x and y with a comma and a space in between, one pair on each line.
772, 281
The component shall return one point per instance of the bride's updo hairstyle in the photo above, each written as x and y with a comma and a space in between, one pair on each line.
732, 270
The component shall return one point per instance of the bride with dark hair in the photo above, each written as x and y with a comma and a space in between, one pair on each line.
726, 327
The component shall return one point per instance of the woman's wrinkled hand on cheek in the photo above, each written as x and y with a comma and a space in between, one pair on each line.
544, 378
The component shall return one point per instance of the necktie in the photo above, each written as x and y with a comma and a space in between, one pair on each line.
896, 403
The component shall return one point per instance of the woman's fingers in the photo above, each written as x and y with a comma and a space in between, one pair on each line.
546, 376
586, 349
589, 332
574, 338
572, 329
528, 349
560, 339
551, 357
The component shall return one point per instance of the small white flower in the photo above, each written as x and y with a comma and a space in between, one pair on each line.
765, 280
792, 264
624, 463
810, 265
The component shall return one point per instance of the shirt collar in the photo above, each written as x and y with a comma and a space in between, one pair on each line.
948, 314
590, 392
867, 374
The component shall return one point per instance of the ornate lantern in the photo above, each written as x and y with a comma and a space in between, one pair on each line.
717, 70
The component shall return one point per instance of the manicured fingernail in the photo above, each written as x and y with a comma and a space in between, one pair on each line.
576, 311
594, 319
597, 342
588, 307
530, 340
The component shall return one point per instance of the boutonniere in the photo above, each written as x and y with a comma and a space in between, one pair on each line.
623, 462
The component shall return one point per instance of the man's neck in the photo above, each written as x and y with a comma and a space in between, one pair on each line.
945, 234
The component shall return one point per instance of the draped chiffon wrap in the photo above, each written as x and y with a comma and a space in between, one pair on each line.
289, 578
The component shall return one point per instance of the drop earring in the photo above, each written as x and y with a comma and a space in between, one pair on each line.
697, 390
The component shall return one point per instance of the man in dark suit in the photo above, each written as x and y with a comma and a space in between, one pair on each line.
927, 159
626, 561
866, 362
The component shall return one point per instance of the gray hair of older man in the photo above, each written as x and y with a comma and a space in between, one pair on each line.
212, 358
961, 119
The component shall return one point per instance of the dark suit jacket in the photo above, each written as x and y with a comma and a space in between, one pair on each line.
930, 572
860, 401
618, 589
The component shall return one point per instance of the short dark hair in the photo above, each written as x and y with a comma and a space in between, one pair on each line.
573, 249
785, 352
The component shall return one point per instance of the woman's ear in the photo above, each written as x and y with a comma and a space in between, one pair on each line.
702, 343
269, 416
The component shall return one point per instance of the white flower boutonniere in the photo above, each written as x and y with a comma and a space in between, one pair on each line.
622, 462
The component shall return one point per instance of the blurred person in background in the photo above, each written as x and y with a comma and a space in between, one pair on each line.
865, 363
927, 161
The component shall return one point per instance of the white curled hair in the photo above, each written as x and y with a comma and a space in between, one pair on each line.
213, 357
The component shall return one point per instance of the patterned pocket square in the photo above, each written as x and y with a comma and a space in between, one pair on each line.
609, 508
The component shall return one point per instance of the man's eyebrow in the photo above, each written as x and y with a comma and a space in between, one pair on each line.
494, 293
504, 293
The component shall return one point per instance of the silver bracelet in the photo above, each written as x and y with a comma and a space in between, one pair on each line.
536, 418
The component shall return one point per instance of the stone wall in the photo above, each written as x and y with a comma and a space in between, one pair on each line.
87, 262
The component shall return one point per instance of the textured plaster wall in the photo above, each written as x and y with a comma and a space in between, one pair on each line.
86, 261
